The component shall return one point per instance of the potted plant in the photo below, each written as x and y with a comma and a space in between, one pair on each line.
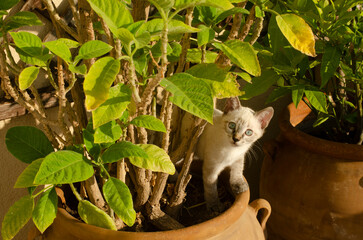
112, 141
312, 174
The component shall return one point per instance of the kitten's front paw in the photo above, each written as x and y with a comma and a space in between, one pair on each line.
215, 207
239, 187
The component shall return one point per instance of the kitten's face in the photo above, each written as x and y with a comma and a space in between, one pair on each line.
242, 126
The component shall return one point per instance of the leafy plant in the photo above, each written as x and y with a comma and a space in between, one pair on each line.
111, 64
330, 80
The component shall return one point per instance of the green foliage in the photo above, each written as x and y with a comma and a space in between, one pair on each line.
98, 80
27, 143
27, 77
92, 215
46, 210
62, 167
149, 122
118, 196
190, 94
121, 73
158, 160
16, 217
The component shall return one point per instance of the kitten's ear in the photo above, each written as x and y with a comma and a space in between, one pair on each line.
231, 104
265, 116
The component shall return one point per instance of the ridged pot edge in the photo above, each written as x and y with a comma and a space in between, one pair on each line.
204, 229
292, 116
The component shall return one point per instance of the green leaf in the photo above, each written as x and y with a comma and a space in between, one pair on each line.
155, 26
93, 148
317, 99
81, 69
118, 99
206, 35
297, 32
121, 150
27, 77
163, 6
92, 215
158, 160
297, 94
208, 71
29, 47
27, 143
278, 93
223, 84
26, 178
329, 64
242, 54
109, 132
260, 84
194, 55
60, 49
245, 76
92, 49
16, 217
98, 81
190, 94
70, 43
183, 4
228, 13
118, 196
22, 19
126, 37
113, 12
46, 210
63, 167
28, 42
7, 4
149, 122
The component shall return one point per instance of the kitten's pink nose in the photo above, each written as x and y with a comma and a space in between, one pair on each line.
236, 138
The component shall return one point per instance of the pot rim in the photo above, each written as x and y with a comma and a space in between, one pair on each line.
212, 226
314, 144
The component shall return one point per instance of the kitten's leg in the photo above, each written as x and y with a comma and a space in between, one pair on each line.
238, 184
210, 178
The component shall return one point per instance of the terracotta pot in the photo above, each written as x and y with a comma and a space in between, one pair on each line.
315, 187
238, 222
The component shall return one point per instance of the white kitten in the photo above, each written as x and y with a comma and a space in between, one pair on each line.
225, 143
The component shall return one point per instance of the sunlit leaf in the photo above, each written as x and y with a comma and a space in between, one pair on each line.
119, 97
242, 54
149, 122
63, 167
16, 217
297, 32
46, 210
27, 77
121, 150
98, 80
158, 160
92, 215
118, 196
191, 94
26, 178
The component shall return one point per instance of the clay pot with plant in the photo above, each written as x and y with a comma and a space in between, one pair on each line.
312, 173
111, 143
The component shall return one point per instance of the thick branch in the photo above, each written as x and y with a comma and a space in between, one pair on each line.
60, 21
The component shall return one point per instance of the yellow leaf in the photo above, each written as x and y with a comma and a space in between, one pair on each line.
298, 33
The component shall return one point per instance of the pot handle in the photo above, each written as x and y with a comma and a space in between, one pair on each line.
262, 204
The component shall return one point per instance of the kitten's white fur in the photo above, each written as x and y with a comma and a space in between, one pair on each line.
220, 147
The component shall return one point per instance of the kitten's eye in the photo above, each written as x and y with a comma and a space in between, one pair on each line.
232, 125
249, 132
